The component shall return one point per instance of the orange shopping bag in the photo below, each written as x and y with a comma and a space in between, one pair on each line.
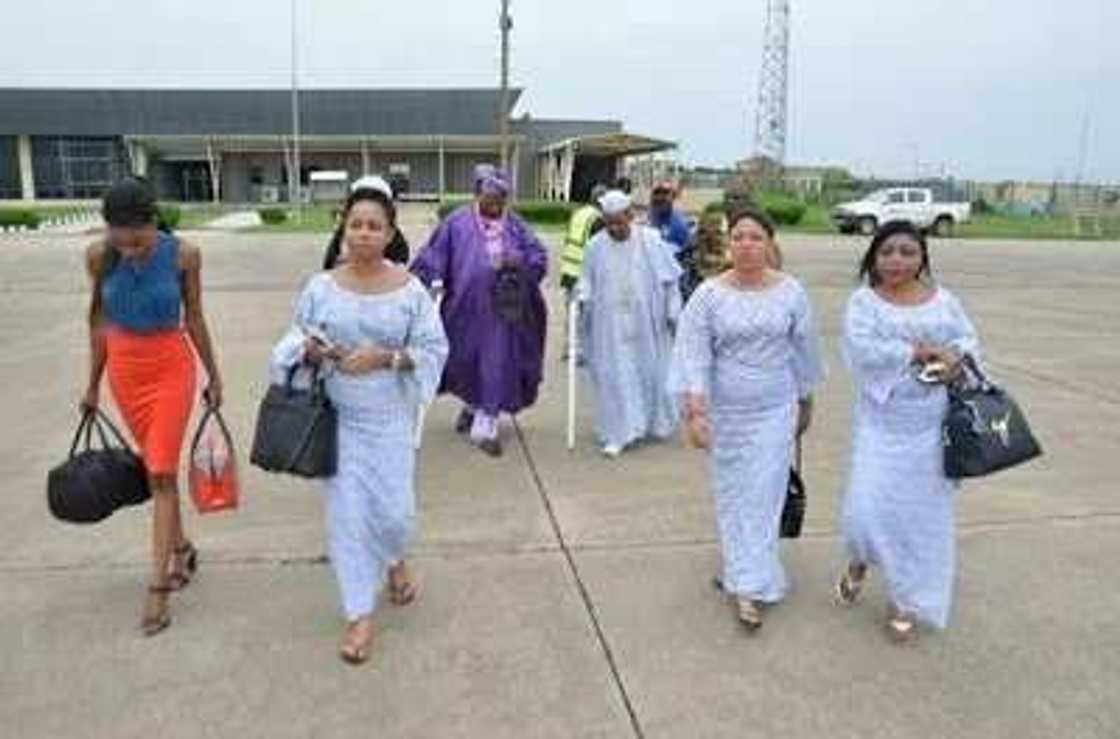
213, 475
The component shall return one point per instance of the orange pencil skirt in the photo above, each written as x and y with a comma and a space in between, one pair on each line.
152, 378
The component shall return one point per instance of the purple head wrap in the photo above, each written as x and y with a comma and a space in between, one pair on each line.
491, 180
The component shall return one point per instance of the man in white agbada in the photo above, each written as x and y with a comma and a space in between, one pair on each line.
630, 304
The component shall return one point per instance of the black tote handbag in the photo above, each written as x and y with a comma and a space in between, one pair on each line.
793, 511
984, 431
297, 430
93, 483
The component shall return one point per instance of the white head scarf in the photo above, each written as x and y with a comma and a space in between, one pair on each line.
615, 202
372, 182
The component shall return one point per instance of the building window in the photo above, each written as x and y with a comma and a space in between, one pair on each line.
77, 168
10, 187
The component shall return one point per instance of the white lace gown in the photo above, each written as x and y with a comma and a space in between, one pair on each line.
899, 509
370, 504
751, 354
630, 300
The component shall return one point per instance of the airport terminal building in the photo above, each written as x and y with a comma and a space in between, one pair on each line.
237, 146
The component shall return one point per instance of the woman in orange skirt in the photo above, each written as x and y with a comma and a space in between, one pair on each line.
146, 326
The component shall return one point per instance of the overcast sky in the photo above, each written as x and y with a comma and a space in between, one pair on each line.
991, 89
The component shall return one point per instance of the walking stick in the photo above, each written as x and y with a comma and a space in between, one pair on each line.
422, 409
573, 368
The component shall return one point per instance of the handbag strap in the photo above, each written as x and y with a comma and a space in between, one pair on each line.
197, 438
83, 427
104, 419
211, 413
971, 366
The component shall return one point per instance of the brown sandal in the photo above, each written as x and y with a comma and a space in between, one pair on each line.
152, 624
402, 591
849, 588
180, 579
352, 652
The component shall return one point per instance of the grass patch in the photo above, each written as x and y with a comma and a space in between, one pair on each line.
311, 219
816, 220
197, 216
995, 226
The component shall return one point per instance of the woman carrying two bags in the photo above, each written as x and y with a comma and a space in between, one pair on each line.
146, 325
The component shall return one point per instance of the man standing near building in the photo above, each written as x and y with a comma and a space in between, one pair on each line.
585, 222
664, 217
630, 301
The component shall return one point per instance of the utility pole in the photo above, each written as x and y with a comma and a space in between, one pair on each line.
505, 23
293, 171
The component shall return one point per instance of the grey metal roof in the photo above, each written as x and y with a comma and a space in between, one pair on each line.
114, 112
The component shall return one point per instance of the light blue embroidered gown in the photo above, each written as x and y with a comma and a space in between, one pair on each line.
899, 510
370, 505
752, 355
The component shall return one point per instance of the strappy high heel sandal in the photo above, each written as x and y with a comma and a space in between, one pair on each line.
153, 623
181, 578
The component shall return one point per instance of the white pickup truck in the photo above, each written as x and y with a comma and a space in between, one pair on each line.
913, 204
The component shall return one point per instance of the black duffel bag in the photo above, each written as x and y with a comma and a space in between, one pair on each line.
793, 510
984, 431
93, 483
297, 430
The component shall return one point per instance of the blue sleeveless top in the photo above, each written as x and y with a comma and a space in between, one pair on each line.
145, 297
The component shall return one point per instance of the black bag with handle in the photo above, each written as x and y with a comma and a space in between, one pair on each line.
511, 293
297, 430
793, 511
984, 431
94, 482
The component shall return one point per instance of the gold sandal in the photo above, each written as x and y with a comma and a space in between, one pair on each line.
749, 614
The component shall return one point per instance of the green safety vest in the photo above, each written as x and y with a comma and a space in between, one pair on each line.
579, 231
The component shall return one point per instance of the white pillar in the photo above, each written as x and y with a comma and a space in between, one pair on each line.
138, 153
26, 168
365, 156
569, 170
214, 158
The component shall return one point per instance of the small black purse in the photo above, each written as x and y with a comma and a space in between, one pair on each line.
297, 430
793, 511
984, 431
511, 293
93, 483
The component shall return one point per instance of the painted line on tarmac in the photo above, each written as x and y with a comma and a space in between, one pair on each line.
585, 595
